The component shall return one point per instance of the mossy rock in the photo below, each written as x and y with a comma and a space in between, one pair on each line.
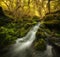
53, 16
40, 45
52, 21
42, 33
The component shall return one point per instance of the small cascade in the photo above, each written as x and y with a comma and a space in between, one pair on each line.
25, 42
49, 51
22, 47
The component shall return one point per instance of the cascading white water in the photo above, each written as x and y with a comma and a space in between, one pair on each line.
22, 46
26, 41
49, 50
29, 35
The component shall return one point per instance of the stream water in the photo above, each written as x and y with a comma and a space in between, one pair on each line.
23, 46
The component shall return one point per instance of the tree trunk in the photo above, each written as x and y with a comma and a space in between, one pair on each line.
48, 6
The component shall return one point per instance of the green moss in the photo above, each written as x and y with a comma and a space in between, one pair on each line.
52, 21
40, 45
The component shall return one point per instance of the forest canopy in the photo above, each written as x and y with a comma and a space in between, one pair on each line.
20, 8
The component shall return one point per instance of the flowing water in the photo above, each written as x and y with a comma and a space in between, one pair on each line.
23, 46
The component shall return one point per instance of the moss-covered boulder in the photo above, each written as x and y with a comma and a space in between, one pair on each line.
52, 21
40, 45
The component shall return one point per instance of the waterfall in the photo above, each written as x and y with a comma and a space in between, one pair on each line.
30, 34
22, 47
25, 42
49, 51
